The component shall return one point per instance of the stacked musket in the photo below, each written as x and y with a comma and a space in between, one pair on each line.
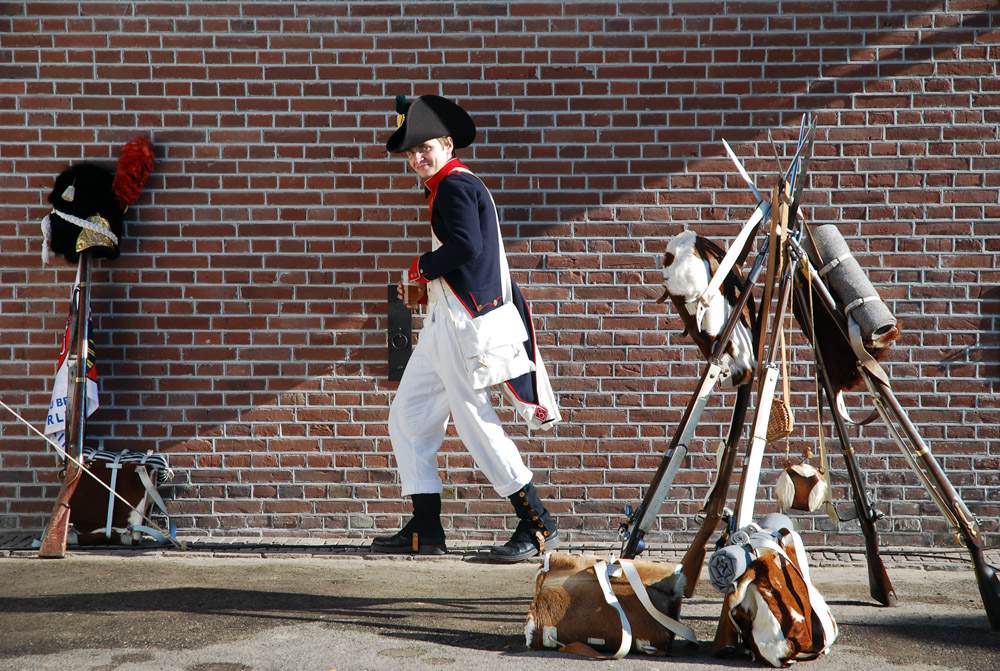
810, 271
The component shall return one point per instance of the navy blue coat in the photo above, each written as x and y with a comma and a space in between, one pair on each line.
464, 220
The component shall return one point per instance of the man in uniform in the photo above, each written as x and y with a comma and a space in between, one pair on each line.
477, 334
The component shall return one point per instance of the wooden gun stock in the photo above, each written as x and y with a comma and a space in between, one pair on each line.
989, 584
54, 541
55, 537
727, 635
879, 585
694, 558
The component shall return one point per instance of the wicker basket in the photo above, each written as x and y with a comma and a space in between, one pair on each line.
780, 422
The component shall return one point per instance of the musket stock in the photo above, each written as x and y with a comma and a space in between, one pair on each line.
715, 506
54, 539
879, 585
727, 635
989, 583
945, 495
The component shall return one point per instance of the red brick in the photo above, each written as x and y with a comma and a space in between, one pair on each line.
242, 329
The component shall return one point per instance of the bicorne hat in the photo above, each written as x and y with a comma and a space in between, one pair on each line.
429, 117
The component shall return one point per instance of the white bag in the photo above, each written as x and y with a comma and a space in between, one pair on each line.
493, 346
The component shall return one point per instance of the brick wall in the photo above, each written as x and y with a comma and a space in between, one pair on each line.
242, 331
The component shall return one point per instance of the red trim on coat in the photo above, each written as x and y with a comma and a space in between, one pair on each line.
414, 274
434, 182
455, 293
540, 411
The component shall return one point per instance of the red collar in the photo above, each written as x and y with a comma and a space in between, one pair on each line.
432, 184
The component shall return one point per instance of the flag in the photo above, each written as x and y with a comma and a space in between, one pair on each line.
55, 422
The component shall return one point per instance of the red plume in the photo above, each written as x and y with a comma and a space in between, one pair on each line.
134, 165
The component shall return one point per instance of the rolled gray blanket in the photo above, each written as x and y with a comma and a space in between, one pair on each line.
850, 286
728, 565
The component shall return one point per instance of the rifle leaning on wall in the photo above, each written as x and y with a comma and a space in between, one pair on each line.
879, 585
85, 222
55, 536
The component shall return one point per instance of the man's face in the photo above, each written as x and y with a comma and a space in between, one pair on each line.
429, 157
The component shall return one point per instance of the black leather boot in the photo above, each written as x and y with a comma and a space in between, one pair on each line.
422, 535
535, 533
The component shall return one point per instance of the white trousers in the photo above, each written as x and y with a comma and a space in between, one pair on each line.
435, 386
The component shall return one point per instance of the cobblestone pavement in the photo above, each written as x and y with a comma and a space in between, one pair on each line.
303, 605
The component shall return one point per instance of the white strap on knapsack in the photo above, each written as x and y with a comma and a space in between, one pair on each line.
115, 466
601, 570
729, 260
672, 625
154, 496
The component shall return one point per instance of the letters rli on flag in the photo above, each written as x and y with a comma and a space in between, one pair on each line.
55, 422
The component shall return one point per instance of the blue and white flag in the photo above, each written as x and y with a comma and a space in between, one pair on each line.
55, 422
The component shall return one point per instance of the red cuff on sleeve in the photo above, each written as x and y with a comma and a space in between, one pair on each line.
414, 273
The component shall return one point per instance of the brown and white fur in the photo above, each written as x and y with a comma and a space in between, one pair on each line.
569, 608
781, 616
689, 264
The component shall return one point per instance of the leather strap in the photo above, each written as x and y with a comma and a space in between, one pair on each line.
846, 416
833, 263
786, 394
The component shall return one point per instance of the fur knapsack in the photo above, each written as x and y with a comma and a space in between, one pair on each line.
782, 618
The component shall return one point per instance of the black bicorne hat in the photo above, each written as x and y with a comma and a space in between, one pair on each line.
429, 117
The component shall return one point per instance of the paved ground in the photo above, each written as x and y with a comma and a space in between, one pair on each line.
322, 606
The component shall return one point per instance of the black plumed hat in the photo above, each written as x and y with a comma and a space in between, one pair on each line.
89, 202
429, 117
83, 191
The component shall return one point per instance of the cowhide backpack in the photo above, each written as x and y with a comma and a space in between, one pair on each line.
782, 618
